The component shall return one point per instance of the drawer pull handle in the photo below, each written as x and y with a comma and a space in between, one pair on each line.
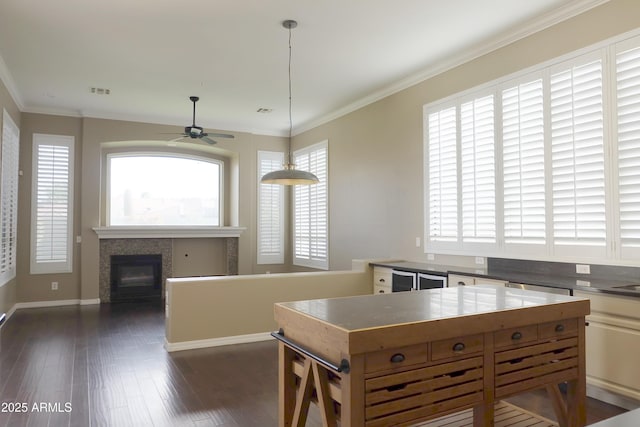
461, 284
458, 347
381, 280
397, 358
560, 328
381, 291
516, 336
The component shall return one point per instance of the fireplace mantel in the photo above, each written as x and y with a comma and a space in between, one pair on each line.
153, 232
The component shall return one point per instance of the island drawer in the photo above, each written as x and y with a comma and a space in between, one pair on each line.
402, 397
457, 347
515, 336
560, 328
396, 357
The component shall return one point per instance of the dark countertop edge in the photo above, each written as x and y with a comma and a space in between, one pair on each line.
428, 268
596, 286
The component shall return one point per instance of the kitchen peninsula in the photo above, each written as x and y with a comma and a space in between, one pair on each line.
403, 358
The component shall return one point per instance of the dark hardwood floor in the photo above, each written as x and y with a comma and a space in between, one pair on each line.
106, 366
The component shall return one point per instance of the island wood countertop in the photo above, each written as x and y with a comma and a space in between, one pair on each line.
373, 322
411, 356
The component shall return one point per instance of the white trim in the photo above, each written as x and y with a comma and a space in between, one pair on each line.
125, 232
432, 70
10, 84
216, 342
10, 313
56, 303
56, 265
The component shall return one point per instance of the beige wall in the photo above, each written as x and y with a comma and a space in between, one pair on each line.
200, 310
375, 163
8, 292
376, 156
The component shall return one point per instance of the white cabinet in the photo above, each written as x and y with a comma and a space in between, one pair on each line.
382, 277
613, 344
460, 280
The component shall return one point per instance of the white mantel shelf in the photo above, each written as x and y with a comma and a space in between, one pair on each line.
151, 232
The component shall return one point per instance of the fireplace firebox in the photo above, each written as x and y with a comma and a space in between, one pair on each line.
136, 277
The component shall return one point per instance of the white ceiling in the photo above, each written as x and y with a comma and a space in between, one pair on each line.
154, 54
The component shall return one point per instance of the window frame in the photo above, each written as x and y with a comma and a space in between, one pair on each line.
323, 175
9, 182
166, 154
58, 265
277, 158
613, 250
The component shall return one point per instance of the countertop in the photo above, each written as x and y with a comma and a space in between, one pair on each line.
430, 268
586, 284
365, 312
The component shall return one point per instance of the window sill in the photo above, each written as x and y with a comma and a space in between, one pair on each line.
159, 232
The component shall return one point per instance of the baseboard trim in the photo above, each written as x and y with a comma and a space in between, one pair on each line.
56, 303
613, 395
216, 342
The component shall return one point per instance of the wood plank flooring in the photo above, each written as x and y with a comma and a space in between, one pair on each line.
106, 366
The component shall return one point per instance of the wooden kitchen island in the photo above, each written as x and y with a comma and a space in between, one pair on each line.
403, 358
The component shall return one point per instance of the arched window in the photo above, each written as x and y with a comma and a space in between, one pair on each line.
164, 189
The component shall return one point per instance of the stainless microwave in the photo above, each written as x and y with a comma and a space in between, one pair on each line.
403, 281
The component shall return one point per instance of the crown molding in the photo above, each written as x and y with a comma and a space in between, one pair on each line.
9, 83
548, 20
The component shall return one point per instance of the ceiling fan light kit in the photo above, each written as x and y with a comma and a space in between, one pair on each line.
289, 175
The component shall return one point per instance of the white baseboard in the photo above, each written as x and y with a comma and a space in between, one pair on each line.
57, 303
10, 312
216, 342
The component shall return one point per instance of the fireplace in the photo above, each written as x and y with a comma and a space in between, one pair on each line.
136, 277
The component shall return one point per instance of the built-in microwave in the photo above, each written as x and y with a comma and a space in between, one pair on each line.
402, 281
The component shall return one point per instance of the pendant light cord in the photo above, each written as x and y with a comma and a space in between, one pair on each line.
290, 162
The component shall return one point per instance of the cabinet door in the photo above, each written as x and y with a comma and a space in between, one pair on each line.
382, 278
490, 282
613, 343
459, 280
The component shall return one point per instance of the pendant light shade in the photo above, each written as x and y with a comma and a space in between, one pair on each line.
289, 175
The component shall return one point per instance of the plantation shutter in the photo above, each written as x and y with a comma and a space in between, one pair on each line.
443, 175
578, 155
311, 209
270, 211
523, 163
478, 170
9, 198
628, 105
51, 228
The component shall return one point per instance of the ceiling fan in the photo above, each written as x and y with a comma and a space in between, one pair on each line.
197, 132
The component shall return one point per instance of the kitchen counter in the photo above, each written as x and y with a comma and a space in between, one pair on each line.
622, 287
430, 268
402, 358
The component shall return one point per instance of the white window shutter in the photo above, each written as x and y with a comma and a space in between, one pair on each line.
477, 170
442, 172
270, 211
628, 106
52, 204
9, 198
577, 143
311, 209
523, 163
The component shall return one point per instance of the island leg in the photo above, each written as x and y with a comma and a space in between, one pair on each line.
286, 385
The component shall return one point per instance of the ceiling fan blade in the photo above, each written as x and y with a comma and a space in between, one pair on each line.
208, 140
220, 135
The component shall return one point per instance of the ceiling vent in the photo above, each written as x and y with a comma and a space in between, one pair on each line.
100, 91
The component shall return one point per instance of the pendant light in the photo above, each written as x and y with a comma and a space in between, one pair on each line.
289, 175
